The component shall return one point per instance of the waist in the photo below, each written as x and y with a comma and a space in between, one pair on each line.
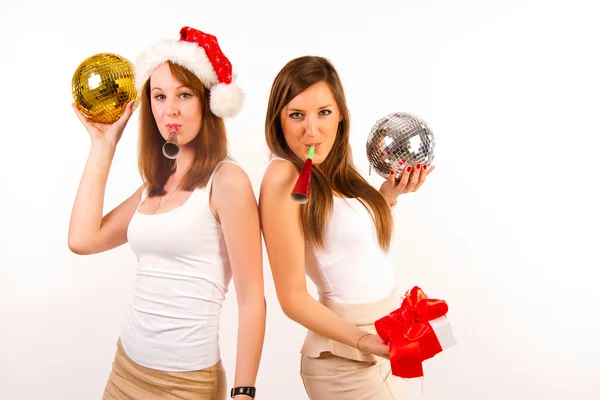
362, 315
171, 343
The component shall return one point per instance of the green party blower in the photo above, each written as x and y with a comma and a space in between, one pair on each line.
302, 187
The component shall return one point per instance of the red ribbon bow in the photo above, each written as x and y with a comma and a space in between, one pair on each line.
409, 334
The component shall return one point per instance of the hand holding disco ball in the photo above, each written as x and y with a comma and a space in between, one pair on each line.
104, 94
400, 147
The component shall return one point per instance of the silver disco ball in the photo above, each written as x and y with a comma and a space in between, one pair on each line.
397, 141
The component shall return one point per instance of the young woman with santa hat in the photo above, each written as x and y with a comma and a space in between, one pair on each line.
193, 226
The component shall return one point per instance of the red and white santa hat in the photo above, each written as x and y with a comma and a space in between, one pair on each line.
200, 53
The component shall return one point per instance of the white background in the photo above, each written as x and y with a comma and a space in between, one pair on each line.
505, 230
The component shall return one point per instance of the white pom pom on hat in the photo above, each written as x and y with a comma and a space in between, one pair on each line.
200, 53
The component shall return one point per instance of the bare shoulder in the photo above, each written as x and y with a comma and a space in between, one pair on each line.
230, 179
279, 175
137, 195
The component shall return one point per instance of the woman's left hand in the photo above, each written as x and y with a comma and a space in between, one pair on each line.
410, 181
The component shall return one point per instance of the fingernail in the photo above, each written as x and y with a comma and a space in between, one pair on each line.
418, 165
424, 166
408, 169
392, 172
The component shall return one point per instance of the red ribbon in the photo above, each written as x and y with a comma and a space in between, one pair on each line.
409, 334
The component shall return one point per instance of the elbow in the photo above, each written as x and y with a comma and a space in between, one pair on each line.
78, 246
291, 305
77, 249
255, 309
288, 311
256, 303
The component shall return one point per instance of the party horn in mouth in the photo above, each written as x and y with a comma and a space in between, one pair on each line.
171, 147
302, 187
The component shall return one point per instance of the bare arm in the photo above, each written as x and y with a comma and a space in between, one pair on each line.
236, 207
89, 232
284, 239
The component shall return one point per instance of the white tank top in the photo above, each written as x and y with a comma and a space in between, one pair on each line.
352, 267
183, 274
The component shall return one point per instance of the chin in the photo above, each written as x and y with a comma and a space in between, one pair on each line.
318, 159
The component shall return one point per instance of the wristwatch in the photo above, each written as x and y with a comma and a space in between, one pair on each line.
247, 390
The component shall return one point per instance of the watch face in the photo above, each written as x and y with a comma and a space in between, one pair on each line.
250, 391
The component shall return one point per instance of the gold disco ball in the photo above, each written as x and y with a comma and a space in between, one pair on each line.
102, 85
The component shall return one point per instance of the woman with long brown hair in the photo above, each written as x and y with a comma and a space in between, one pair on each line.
193, 226
340, 238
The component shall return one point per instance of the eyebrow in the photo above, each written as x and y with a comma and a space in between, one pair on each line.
182, 86
320, 108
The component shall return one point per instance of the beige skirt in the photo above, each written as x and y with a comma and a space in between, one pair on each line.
131, 381
332, 370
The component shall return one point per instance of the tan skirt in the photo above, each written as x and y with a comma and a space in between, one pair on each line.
131, 381
332, 370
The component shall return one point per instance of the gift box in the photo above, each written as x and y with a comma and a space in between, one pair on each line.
415, 332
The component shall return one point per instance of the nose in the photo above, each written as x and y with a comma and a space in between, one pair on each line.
172, 109
312, 127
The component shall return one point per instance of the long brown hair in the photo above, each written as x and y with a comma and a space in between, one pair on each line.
337, 173
210, 143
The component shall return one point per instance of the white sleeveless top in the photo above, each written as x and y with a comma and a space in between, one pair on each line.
352, 267
183, 274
